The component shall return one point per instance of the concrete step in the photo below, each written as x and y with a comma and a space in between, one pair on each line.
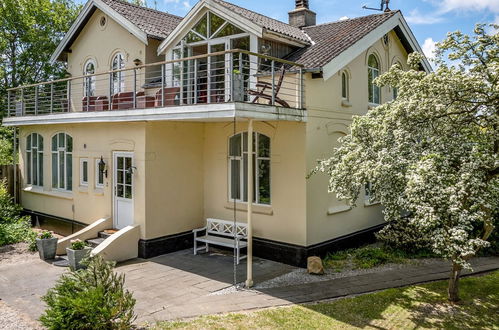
104, 235
93, 242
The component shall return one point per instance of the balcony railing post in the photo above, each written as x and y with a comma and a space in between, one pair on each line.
272, 66
301, 91
69, 95
36, 100
182, 77
110, 91
8, 103
135, 88
163, 77
88, 83
51, 97
22, 101
196, 81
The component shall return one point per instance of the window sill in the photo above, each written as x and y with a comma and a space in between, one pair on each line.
83, 189
99, 191
346, 104
257, 209
52, 193
338, 209
368, 204
371, 106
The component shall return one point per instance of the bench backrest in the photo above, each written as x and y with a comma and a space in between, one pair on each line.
226, 228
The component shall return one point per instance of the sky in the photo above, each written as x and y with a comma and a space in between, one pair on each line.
430, 20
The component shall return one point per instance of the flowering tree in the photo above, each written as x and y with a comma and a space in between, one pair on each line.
432, 155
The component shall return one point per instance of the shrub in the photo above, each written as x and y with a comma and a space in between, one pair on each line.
77, 244
9, 212
16, 231
403, 235
45, 234
91, 298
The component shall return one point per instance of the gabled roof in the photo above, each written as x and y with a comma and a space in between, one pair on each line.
156, 24
336, 44
142, 22
266, 22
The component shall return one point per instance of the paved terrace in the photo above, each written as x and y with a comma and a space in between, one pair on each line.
181, 285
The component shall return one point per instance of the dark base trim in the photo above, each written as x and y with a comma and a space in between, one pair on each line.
167, 244
60, 225
290, 254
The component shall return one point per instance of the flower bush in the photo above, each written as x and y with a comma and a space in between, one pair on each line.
77, 244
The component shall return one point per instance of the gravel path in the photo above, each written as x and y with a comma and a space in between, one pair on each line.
16, 253
11, 319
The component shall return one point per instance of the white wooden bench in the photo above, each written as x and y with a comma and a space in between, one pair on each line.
222, 233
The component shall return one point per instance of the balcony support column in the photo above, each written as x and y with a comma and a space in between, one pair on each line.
249, 271
135, 88
163, 76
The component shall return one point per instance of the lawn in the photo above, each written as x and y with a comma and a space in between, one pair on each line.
421, 306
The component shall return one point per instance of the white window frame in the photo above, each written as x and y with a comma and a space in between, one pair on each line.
89, 82
33, 168
371, 85
347, 85
65, 153
82, 172
117, 78
98, 185
240, 158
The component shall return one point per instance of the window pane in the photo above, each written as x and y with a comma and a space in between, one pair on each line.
370, 85
128, 163
202, 26
100, 175
215, 23
54, 143
264, 181
61, 169
228, 30
128, 192
344, 85
245, 178
119, 176
40, 169
128, 178
263, 146
373, 62
62, 142
69, 171
34, 141
235, 178
192, 37
28, 167
120, 161
235, 145
85, 171
69, 140
35, 168
28, 142
119, 191
40, 143
54, 170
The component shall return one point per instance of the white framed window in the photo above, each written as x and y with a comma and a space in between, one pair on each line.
118, 78
238, 168
373, 70
89, 82
62, 162
34, 159
369, 196
345, 86
83, 172
99, 176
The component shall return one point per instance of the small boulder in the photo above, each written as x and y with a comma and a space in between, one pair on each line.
314, 266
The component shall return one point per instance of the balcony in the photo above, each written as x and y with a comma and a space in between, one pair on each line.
228, 84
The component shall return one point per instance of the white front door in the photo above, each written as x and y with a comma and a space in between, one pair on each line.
123, 189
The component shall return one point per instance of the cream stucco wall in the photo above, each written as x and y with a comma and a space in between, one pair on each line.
328, 120
86, 204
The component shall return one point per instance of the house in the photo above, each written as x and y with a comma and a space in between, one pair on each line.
149, 132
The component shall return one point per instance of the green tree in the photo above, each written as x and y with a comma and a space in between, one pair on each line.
432, 155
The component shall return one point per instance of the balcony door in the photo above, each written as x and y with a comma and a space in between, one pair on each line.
219, 77
123, 189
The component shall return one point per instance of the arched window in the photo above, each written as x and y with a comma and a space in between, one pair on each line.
345, 86
62, 161
118, 78
373, 73
89, 82
34, 159
238, 168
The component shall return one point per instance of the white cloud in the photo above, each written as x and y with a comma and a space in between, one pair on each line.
344, 18
429, 48
469, 5
186, 4
416, 17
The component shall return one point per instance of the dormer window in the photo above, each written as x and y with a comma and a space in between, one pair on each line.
118, 79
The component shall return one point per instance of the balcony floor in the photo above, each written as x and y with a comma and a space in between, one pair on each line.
201, 113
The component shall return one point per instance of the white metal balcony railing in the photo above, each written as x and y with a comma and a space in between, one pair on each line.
229, 76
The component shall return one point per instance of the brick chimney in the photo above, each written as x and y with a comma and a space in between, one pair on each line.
302, 16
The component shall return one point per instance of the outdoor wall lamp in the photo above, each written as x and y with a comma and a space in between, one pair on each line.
131, 169
137, 62
102, 167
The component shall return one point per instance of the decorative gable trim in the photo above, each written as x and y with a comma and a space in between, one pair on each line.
367, 41
82, 19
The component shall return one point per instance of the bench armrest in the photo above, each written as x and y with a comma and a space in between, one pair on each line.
240, 237
199, 229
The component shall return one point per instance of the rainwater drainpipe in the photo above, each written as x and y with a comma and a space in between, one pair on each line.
249, 272
15, 165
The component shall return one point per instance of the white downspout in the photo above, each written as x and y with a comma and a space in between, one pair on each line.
249, 271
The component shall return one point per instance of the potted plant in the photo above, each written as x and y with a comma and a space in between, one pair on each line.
46, 244
76, 253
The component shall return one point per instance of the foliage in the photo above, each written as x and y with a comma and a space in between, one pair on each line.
432, 155
45, 234
9, 212
415, 307
91, 298
370, 256
403, 235
77, 244
6, 145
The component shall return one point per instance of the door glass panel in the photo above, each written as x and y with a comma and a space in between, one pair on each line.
128, 192
119, 190
120, 177
120, 163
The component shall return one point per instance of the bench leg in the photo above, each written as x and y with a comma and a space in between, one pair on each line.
237, 255
195, 246
207, 247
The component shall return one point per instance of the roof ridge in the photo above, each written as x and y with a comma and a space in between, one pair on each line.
145, 8
353, 19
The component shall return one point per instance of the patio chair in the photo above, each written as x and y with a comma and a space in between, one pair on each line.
88, 103
102, 103
170, 97
145, 101
122, 101
263, 86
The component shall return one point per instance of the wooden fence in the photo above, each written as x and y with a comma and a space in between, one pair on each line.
7, 173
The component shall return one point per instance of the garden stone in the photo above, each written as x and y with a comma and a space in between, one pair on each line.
76, 256
46, 247
314, 266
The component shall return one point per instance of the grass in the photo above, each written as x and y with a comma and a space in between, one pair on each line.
421, 306
368, 257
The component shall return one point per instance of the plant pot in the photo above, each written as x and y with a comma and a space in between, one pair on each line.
238, 88
46, 247
76, 256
